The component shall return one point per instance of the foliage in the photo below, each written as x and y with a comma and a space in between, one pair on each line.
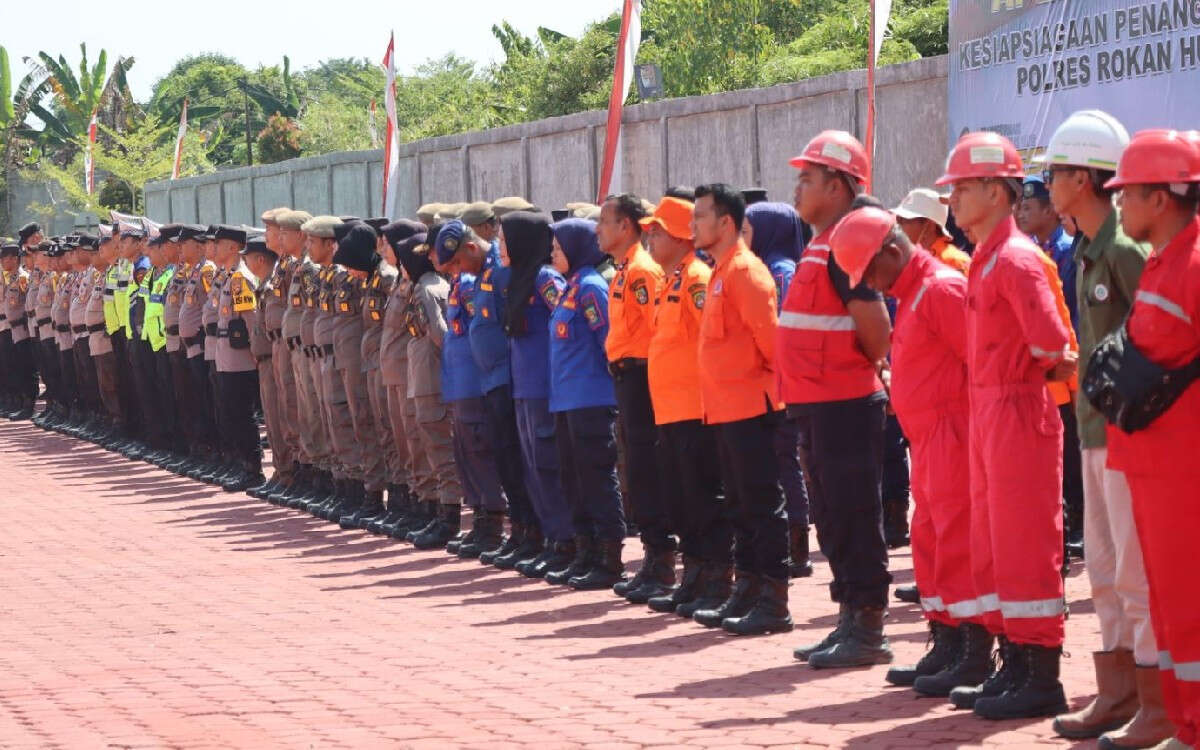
279, 140
332, 124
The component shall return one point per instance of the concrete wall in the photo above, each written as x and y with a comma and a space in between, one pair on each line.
741, 137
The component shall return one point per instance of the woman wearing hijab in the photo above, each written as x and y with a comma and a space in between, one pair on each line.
426, 319
533, 292
776, 235
584, 404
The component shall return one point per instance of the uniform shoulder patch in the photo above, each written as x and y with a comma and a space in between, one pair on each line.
550, 293
698, 292
641, 291
591, 311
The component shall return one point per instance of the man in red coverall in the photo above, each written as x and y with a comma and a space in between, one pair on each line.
1016, 340
1159, 175
929, 394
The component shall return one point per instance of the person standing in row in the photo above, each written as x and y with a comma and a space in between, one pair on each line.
104, 360
200, 412
272, 303
632, 296
22, 380
833, 342
584, 405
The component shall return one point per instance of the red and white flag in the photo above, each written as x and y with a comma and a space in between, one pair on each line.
179, 142
89, 168
391, 144
881, 11
627, 48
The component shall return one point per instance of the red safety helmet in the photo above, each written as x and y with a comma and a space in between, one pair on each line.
1158, 157
858, 238
838, 150
980, 155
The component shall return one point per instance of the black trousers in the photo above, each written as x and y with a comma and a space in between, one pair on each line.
1072, 472
500, 420
750, 473
791, 473
841, 444
587, 464
639, 435
691, 490
126, 383
69, 396
85, 376
181, 387
146, 378
222, 444
22, 372
896, 486
237, 391
201, 413
164, 382
6, 363
51, 369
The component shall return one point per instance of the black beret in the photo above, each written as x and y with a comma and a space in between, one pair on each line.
377, 223
348, 219
754, 195
10, 250
341, 230
258, 244
226, 232
356, 249
558, 214
29, 230
402, 229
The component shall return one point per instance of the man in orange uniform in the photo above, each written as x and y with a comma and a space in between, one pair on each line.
1159, 175
739, 392
833, 339
687, 448
1016, 340
631, 323
929, 393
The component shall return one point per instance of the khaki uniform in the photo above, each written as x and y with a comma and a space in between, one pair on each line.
306, 287
393, 367
376, 289
339, 428
277, 380
16, 290
426, 316
237, 370
100, 346
85, 372
199, 410
347, 367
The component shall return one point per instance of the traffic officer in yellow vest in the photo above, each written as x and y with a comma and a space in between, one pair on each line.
272, 304
201, 424
161, 402
319, 246
237, 370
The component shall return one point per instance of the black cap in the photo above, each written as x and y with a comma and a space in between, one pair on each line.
356, 249
28, 231
754, 195
10, 250
258, 244
88, 242
227, 232
165, 233
377, 223
558, 214
343, 229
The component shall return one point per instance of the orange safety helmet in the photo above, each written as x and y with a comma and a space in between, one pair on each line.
838, 150
858, 238
981, 155
1158, 157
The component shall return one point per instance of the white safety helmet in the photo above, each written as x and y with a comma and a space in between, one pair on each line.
1089, 138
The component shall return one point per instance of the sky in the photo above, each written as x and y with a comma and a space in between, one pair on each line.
157, 35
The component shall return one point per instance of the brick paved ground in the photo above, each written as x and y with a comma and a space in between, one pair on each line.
138, 609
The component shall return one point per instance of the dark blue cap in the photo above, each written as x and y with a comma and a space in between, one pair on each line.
448, 240
1035, 188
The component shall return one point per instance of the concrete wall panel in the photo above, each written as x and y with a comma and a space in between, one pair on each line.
560, 169
312, 191
183, 205
350, 190
496, 170
209, 198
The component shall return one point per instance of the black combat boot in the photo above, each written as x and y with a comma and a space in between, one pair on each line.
488, 534
741, 598
429, 511
369, 509
516, 534
1006, 671
658, 577
532, 544
799, 566
684, 592
527, 567
555, 556
23, 412
442, 530
713, 588
836, 635
863, 645
971, 665
907, 594
769, 614
606, 568
579, 564
945, 645
397, 507
1038, 692
420, 513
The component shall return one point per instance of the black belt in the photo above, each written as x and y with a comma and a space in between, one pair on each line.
3, 317
42, 321
222, 333
210, 329
63, 328
327, 350
275, 334
172, 330
79, 329
98, 327
626, 364
293, 343
196, 340
262, 358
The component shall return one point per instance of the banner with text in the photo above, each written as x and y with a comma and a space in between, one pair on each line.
1020, 67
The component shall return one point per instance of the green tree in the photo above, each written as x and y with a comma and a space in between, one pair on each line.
279, 140
332, 124
74, 99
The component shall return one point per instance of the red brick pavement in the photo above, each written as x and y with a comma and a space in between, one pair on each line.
138, 609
